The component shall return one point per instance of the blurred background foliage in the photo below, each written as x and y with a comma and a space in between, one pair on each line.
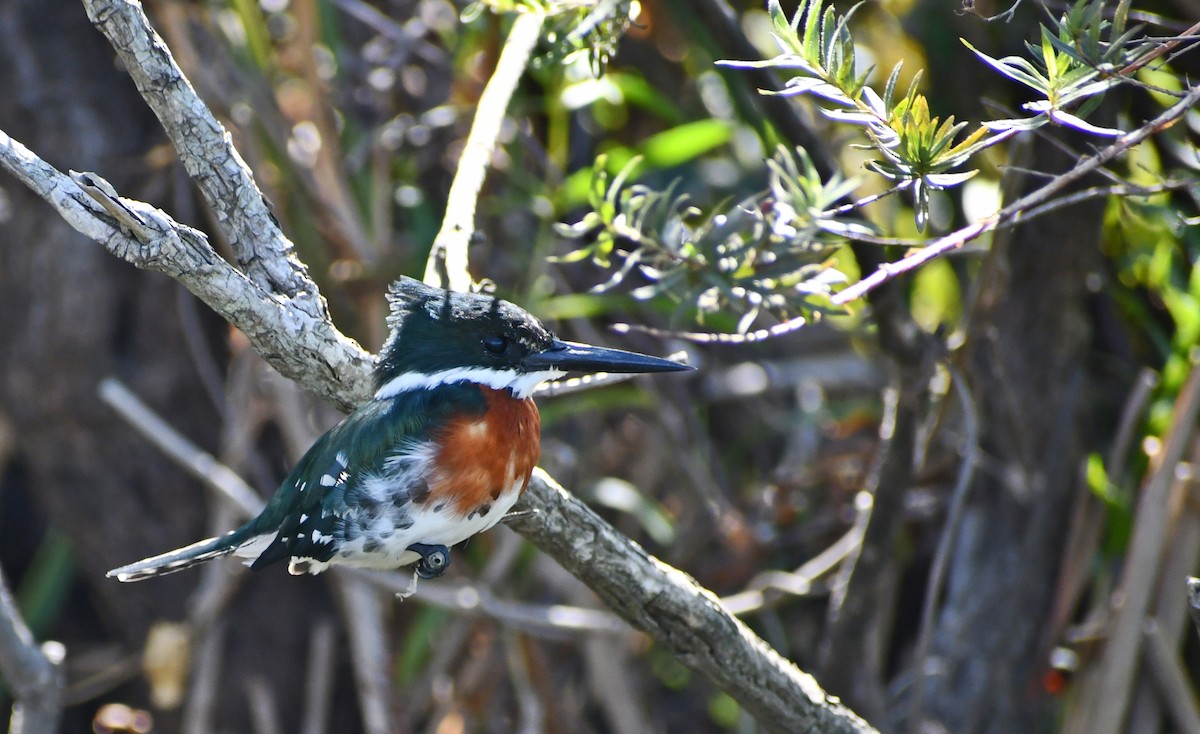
639, 183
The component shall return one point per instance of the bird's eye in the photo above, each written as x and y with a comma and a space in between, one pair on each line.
495, 344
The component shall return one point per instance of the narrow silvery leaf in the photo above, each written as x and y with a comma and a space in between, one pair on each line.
945, 180
1069, 120
1030, 123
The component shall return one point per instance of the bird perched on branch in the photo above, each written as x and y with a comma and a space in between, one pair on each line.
441, 452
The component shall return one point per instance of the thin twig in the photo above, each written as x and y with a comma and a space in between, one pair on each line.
447, 265
200, 464
32, 673
945, 547
705, 337
1096, 192
363, 611
1193, 597
199, 711
1131, 414
1168, 610
1185, 37
529, 706
406, 35
1015, 211
201, 354
1087, 521
319, 678
264, 713
868, 200
553, 621
1172, 680
607, 667
765, 588
1114, 684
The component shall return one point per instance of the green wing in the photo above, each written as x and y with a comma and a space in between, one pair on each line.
309, 509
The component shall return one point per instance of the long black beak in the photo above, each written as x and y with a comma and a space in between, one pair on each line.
574, 357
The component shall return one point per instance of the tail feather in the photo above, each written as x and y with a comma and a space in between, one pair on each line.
178, 559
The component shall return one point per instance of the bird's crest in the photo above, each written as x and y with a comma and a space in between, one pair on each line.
407, 294
432, 330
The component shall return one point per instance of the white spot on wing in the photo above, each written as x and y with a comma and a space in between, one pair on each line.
300, 565
328, 480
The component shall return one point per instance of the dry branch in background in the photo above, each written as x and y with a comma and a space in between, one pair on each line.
33, 674
447, 266
1017, 211
1112, 690
274, 302
675, 610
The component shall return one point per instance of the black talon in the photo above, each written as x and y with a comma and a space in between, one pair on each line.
435, 559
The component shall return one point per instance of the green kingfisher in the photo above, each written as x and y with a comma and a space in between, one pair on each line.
441, 452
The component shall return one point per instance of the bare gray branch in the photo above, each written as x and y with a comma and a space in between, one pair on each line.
303, 347
279, 309
207, 152
32, 674
675, 610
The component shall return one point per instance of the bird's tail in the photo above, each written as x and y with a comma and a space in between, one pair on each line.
179, 559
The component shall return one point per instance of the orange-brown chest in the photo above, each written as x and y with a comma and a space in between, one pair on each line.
480, 457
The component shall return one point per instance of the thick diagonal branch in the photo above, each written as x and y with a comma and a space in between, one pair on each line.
301, 346
206, 150
647, 593
268, 303
672, 608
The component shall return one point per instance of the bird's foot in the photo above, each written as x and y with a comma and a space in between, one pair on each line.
435, 559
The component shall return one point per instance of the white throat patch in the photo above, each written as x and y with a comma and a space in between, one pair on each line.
522, 384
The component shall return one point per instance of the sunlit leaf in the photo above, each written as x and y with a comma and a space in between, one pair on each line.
1066, 118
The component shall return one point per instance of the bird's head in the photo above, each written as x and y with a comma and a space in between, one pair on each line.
440, 337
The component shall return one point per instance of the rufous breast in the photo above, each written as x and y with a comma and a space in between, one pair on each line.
481, 456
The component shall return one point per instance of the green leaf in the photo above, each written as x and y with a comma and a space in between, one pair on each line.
1069, 120
620, 495
812, 33
1013, 67
890, 89
685, 142
1031, 123
1098, 482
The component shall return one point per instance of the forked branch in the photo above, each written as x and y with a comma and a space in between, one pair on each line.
273, 301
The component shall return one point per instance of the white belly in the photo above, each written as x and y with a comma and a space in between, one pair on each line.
383, 546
